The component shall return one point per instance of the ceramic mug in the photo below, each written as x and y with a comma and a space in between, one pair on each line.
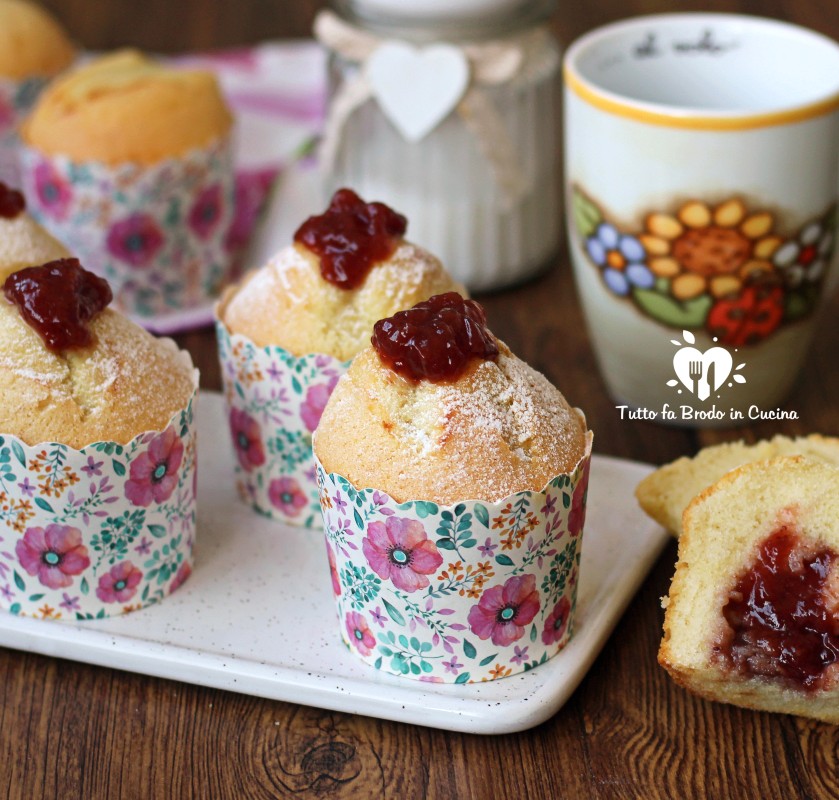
702, 169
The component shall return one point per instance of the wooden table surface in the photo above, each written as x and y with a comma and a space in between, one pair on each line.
70, 730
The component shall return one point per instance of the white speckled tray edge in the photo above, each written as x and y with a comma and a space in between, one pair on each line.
257, 615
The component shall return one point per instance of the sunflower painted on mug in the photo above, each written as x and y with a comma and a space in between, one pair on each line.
722, 267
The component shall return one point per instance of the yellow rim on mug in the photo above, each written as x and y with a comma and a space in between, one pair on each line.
673, 117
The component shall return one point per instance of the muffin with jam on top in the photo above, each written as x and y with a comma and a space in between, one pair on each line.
347, 268
453, 483
96, 418
289, 331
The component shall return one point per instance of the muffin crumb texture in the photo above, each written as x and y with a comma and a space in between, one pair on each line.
666, 493
499, 429
755, 584
124, 384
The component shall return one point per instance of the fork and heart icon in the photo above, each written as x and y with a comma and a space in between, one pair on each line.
702, 373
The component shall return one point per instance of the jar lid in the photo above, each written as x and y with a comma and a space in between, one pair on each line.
445, 19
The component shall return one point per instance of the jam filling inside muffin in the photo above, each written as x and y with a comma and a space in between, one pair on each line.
12, 202
436, 339
781, 614
57, 300
350, 237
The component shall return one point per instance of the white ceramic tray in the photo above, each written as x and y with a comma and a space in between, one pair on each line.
257, 615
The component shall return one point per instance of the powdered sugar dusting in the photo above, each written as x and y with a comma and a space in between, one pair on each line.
501, 428
127, 383
408, 269
508, 404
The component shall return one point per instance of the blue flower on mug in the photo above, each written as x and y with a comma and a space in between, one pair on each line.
621, 257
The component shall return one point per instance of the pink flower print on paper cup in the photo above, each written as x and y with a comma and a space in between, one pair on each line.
52, 192
54, 554
207, 211
154, 473
247, 439
457, 593
135, 240
360, 635
557, 622
287, 496
275, 401
119, 583
398, 550
504, 611
98, 531
315, 402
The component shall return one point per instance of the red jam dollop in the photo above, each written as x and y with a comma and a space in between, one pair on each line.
12, 202
350, 237
436, 339
57, 300
778, 613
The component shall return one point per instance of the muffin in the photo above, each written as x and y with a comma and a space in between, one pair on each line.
666, 493
288, 332
499, 428
97, 416
453, 480
33, 48
129, 163
32, 43
23, 242
305, 303
92, 113
752, 616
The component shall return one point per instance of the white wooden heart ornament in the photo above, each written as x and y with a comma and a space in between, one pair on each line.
417, 87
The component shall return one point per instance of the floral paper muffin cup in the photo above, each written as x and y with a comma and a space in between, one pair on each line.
158, 233
274, 401
16, 99
462, 593
100, 531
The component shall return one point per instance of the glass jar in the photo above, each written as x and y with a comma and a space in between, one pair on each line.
446, 183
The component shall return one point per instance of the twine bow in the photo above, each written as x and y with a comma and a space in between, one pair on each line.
490, 64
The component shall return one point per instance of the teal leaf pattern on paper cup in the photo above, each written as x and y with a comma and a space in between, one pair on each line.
274, 401
462, 593
99, 531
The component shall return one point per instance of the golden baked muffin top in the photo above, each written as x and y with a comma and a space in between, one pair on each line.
32, 43
288, 303
348, 268
500, 428
125, 107
121, 383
